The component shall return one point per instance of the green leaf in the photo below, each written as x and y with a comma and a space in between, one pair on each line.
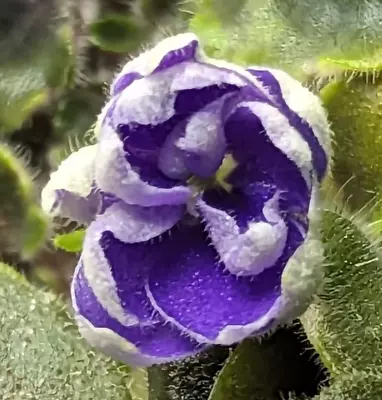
344, 324
22, 224
357, 386
138, 384
59, 70
255, 36
117, 33
301, 37
266, 369
354, 110
26, 81
35, 231
351, 66
188, 379
22, 90
71, 242
42, 355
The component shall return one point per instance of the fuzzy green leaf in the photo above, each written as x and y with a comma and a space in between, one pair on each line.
357, 386
302, 37
22, 90
261, 369
71, 242
355, 113
117, 33
26, 81
345, 322
188, 379
41, 353
35, 231
23, 226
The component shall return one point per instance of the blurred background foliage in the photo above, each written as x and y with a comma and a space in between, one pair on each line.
57, 58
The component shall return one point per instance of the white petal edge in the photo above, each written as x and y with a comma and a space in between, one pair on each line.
283, 136
304, 103
75, 174
146, 62
113, 174
99, 276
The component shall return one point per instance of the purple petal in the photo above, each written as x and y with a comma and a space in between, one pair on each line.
248, 225
82, 209
203, 142
134, 224
273, 85
123, 81
153, 342
192, 290
168, 53
256, 246
263, 162
171, 159
113, 174
113, 311
143, 118
274, 156
179, 55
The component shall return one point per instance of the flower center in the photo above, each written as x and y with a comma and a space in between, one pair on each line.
198, 185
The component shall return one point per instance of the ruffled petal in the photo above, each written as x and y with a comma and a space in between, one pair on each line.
70, 192
168, 53
203, 142
263, 125
140, 120
303, 111
271, 185
254, 246
114, 174
140, 344
192, 290
133, 225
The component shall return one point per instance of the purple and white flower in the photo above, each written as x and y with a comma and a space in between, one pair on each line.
199, 196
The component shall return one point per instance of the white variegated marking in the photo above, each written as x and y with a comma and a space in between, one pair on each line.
301, 278
113, 174
304, 103
284, 136
75, 175
241, 72
99, 276
151, 100
134, 224
251, 252
146, 63
117, 347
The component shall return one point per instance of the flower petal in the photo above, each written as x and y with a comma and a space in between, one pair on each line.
134, 224
114, 174
130, 224
203, 142
264, 125
303, 110
254, 247
193, 291
138, 123
137, 345
70, 192
270, 185
168, 53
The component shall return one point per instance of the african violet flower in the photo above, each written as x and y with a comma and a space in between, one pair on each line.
198, 195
